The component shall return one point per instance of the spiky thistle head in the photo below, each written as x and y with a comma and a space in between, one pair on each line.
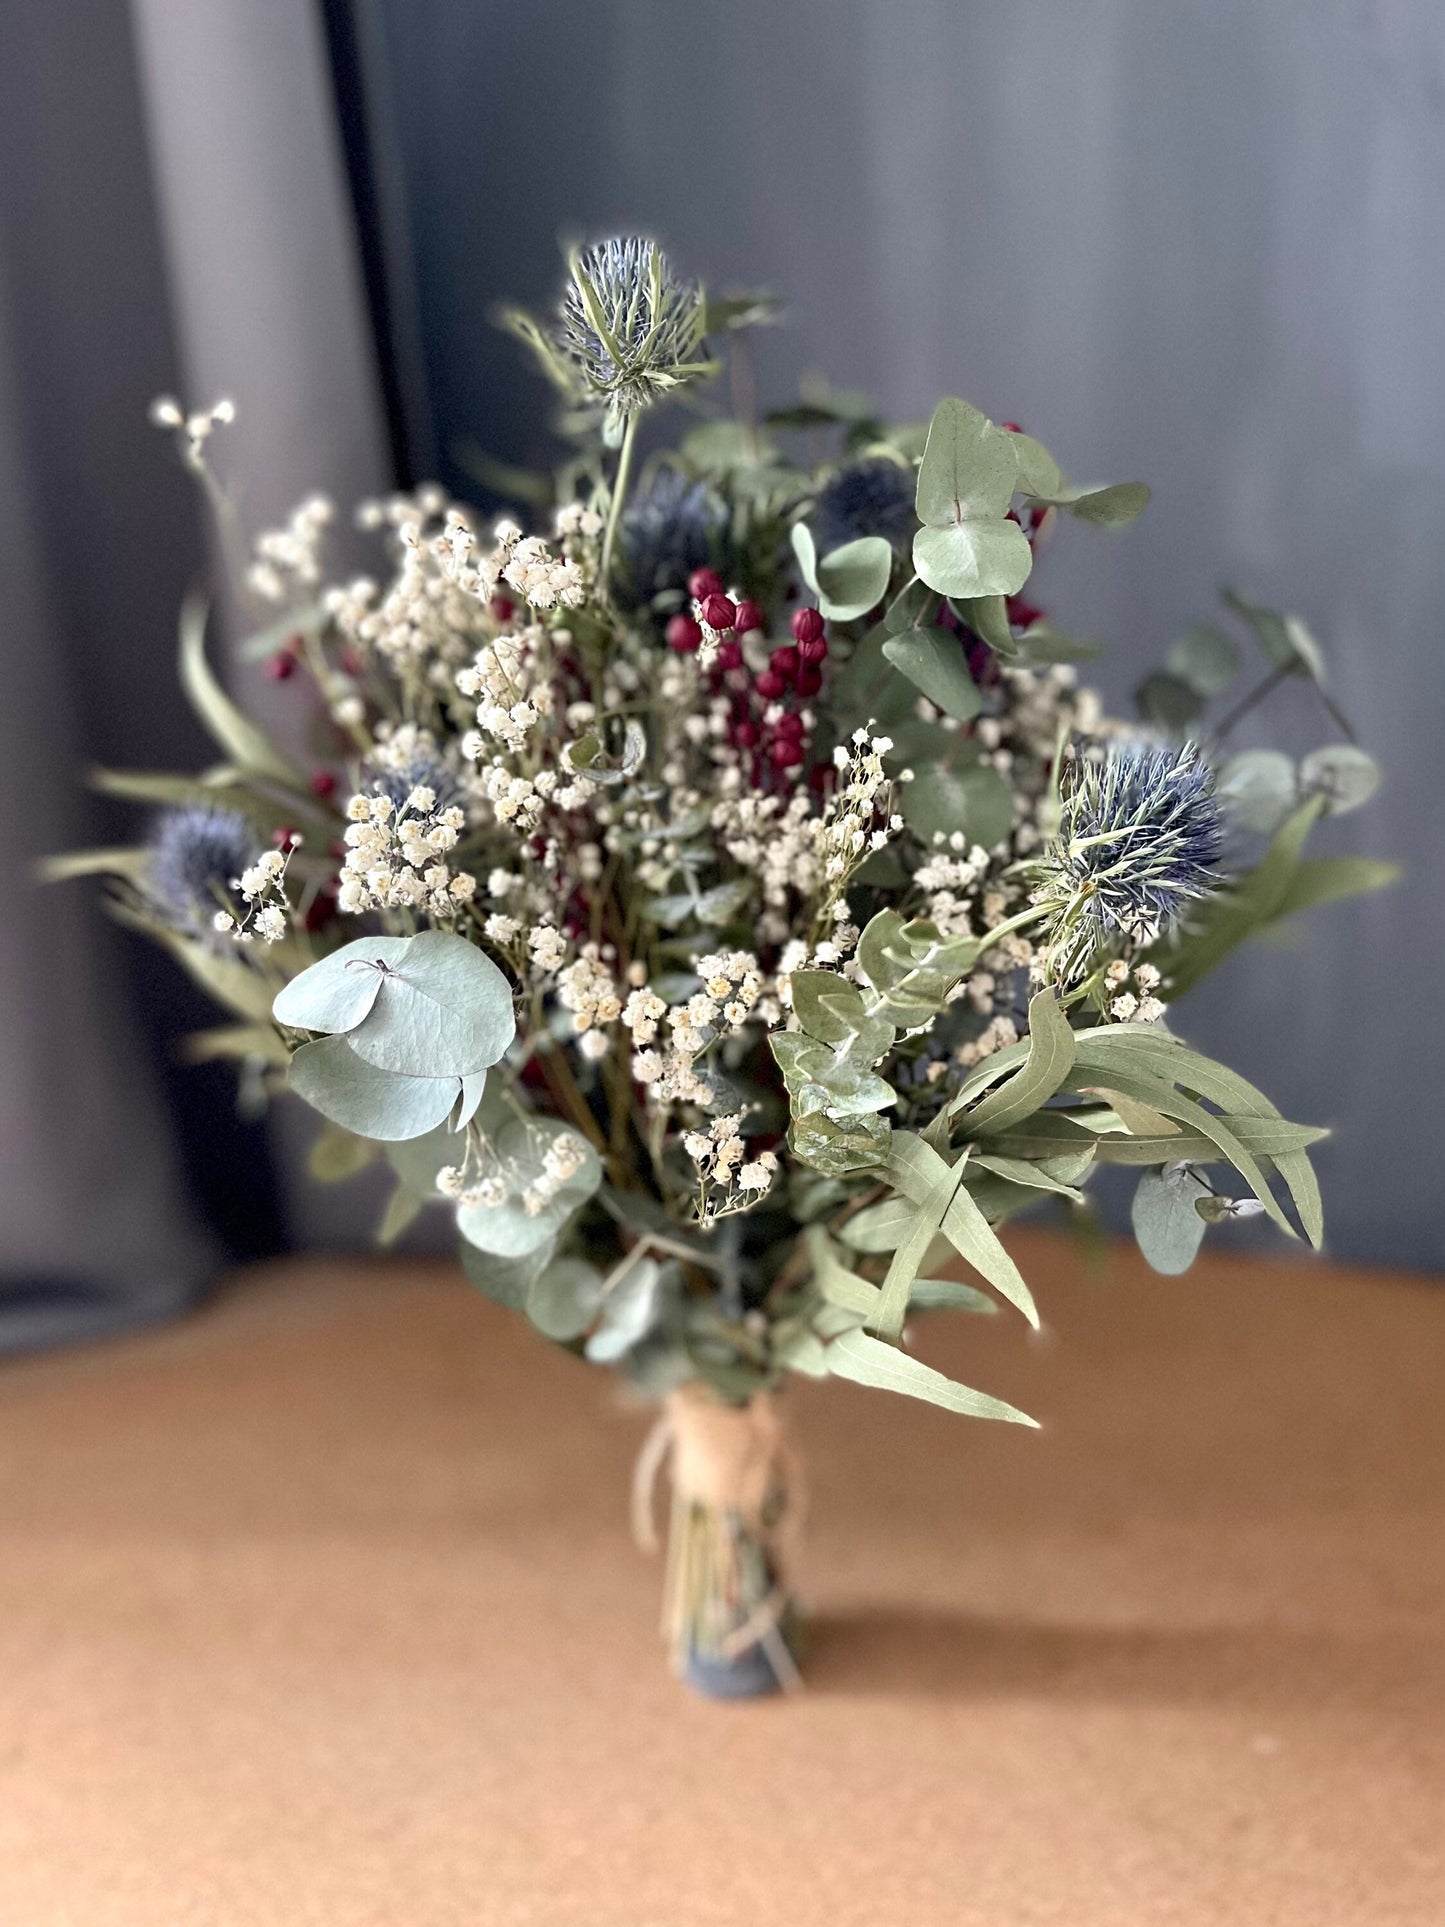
628, 330
672, 527
873, 497
197, 852
1140, 832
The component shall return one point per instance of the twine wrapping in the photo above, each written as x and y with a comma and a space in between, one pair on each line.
736, 1502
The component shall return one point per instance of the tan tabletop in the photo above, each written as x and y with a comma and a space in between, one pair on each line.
321, 1608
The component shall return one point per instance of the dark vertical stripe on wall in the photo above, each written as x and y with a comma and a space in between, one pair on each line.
377, 202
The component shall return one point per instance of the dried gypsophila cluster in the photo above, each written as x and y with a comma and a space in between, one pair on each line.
262, 888
728, 1180
396, 857
490, 1180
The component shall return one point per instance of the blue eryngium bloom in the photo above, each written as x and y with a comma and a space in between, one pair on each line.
1140, 832
874, 497
630, 328
671, 527
197, 852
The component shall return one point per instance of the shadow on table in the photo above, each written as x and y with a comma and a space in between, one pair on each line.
892, 1650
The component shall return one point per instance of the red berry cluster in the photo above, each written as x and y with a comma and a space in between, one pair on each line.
795, 668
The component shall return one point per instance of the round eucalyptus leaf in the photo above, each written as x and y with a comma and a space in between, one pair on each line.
505, 1280
1108, 508
370, 1102
1167, 702
627, 1312
341, 990
970, 470
564, 1299
974, 799
973, 558
1166, 1224
1206, 659
1259, 789
1345, 776
851, 579
445, 1010
510, 1230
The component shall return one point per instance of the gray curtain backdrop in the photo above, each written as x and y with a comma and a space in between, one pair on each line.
1199, 244
173, 216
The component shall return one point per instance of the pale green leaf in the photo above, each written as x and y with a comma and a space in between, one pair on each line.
973, 559
564, 1300
444, 1010
1168, 1228
933, 660
374, 1103
1050, 1059
1342, 774
235, 733
868, 1361
339, 991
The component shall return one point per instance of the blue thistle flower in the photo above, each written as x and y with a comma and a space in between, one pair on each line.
1139, 835
671, 528
630, 328
874, 497
196, 853
412, 762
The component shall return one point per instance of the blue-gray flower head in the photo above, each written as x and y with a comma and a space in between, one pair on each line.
1139, 836
196, 853
671, 528
874, 497
409, 766
629, 327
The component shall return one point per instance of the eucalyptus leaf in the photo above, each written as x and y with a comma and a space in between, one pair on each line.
373, 1103
1259, 788
1345, 776
868, 1361
508, 1281
941, 801
444, 1010
339, 991
510, 1230
973, 558
627, 1312
1205, 658
1168, 1228
1050, 1059
564, 1300
848, 581
1168, 702
402, 1209
933, 660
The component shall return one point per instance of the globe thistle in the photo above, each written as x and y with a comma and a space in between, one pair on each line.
673, 527
870, 498
196, 854
628, 331
1140, 832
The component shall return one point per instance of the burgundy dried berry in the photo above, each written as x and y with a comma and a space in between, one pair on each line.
807, 625
784, 661
729, 655
770, 685
1011, 427
745, 734
813, 651
323, 783
785, 752
750, 616
791, 724
704, 582
683, 635
810, 680
719, 611
502, 608
281, 666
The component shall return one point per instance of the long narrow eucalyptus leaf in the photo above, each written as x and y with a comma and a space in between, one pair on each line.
868, 1361
913, 1169
1050, 1059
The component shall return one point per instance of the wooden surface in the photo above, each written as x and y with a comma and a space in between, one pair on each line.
320, 1608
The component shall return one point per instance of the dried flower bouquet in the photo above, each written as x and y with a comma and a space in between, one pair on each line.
728, 903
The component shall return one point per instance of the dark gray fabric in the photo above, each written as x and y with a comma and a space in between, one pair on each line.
172, 217
1202, 245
